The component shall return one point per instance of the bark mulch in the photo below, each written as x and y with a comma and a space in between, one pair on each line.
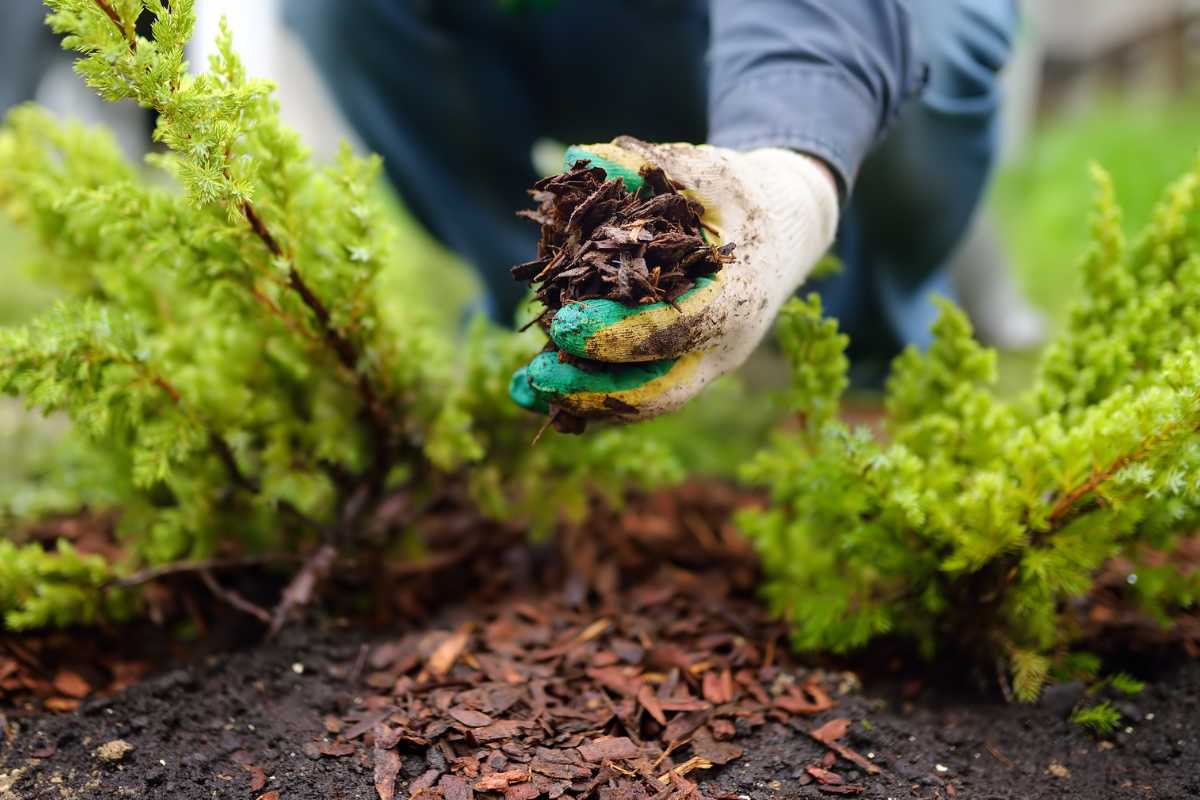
599, 240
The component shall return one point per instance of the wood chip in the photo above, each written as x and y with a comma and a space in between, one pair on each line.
387, 766
337, 749
442, 659
500, 781
71, 684
683, 725
649, 701
609, 748
455, 787
504, 729
830, 732
258, 778
469, 717
825, 776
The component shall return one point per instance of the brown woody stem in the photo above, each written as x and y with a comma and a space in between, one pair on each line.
111, 13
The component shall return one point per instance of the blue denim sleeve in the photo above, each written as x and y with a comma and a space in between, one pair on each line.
825, 78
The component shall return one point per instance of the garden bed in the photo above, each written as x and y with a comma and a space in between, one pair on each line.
651, 619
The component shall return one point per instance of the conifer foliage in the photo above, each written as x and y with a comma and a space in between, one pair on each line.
976, 521
221, 348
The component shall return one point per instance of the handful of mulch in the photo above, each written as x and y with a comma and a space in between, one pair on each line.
599, 240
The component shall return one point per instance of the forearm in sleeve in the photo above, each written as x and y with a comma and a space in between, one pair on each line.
824, 78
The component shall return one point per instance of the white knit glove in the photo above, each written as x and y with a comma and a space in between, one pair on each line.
779, 208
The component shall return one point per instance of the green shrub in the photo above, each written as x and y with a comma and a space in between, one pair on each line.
231, 381
976, 521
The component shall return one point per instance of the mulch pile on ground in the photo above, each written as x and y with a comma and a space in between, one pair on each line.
562, 697
599, 689
599, 240
524, 668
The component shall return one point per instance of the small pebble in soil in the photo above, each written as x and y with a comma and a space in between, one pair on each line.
114, 751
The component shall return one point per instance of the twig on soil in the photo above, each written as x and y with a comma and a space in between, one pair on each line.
195, 567
996, 754
234, 599
300, 590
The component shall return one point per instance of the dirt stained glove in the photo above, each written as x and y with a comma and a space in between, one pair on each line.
779, 207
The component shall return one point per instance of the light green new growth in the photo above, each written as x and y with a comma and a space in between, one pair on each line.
1101, 719
976, 521
220, 348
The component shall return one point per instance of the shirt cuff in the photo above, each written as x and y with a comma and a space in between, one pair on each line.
811, 109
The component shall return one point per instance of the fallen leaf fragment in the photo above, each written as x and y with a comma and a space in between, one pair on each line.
271, 795
1058, 770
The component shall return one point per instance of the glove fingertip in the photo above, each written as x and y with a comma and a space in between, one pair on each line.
615, 162
521, 391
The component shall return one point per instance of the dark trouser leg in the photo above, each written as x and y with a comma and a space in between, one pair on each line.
918, 192
433, 88
26, 50
453, 93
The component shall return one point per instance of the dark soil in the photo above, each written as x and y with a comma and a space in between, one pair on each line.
654, 597
205, 731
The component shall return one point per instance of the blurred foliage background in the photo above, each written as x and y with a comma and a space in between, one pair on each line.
1039, 201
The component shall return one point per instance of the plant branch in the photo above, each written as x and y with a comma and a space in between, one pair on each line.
345, 351
234, 599
208, 565
1061, 513
111, 13
225, 455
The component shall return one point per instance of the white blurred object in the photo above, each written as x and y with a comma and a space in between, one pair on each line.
64, 94
988, 291
1080, 30
981, 270
270, 51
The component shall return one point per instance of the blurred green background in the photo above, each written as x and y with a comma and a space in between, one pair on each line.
1040, 202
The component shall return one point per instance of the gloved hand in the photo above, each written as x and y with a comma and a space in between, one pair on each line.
779, 207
